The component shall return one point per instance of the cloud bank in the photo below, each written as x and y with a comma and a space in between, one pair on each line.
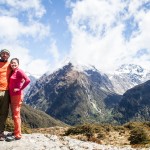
104, 33
107, 33
21, 24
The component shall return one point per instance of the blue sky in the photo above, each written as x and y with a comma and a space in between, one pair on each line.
43, 34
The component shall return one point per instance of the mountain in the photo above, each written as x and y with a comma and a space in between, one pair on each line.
32, 81
128, 76
135, 104
74, 94
38, 119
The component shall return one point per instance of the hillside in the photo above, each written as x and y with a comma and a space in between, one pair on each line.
127, 76
33, 118
38, 119
78, 94
74, 96
134, 105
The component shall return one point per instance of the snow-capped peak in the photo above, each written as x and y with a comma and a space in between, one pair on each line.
132, 69
84, 67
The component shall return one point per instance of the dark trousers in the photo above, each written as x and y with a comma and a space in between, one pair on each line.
4, 108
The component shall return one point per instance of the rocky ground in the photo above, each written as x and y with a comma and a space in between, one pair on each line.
39, 141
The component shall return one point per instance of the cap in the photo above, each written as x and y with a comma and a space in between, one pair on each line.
5, 50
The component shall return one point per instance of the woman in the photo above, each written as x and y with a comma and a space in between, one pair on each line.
17, 82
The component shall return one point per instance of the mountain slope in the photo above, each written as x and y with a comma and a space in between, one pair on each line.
73, 95
135, 104
37, 119
128, 76
32, 81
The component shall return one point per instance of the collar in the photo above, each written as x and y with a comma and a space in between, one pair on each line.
2, 60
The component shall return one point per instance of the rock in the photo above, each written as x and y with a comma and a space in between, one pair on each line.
38, 141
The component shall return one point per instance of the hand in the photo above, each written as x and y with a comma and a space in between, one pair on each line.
16, 90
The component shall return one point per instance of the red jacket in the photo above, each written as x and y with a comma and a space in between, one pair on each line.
18, 80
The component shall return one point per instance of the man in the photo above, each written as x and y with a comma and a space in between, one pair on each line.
5, 71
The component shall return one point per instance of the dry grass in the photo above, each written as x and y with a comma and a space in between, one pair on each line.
59, 131
100, 133
10, 127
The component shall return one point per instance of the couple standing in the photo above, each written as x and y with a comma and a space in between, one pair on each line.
12, 82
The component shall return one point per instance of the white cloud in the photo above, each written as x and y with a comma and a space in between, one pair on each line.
97, 29
37, 67
16, 50
11, 29
11, 35
53, 50
20, 26
20, 52
34, 7
20, 18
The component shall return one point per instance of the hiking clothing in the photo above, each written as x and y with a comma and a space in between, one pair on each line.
4, 108
16, 102
18, 80
2, 136
5, 72
10, 134
11, 138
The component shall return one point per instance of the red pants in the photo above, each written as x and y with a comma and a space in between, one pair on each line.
16, 102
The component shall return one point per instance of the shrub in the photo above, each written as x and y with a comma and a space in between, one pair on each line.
132, 125
138, 136
90, 131
147, 123
83, 129
101, 135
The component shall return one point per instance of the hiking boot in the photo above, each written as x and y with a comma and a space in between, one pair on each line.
10, 134
2, 136
12, 138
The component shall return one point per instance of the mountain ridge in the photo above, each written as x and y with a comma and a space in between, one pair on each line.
135, 104
75, 94
71, 95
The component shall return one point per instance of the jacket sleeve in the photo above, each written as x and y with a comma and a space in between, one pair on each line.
25, 78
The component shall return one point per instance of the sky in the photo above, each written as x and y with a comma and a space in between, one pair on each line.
45, 34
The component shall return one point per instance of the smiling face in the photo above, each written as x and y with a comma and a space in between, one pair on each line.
14, 64
4, 56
